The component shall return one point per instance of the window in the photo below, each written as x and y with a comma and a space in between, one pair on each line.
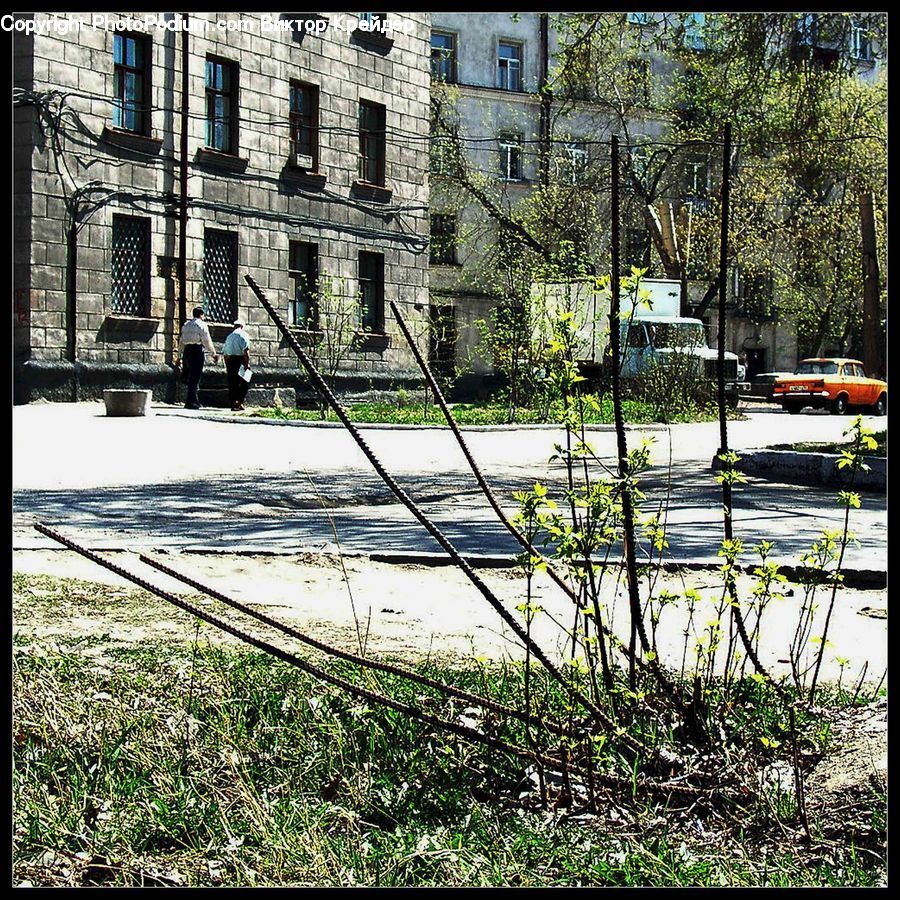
303, 271
637, 249
131, 83
305, 125
130, 268
696, 179
511, 157
443, 57
573, 163
807, 30
221, 105
640, 18
220, 251
371, 291
371, 21
637, 80
509, 66
860, 43
371, 142
694, 25
442, 248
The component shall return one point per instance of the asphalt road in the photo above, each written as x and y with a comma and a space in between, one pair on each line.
178, 480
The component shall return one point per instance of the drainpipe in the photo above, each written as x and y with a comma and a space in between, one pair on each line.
182, 213
544, 63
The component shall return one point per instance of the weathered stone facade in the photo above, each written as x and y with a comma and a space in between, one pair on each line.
69, 157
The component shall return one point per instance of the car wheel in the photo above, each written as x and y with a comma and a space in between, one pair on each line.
839, 405
792, 408
880, 407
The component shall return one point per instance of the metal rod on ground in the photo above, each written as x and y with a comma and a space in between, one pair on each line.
292, 659
634, 600
452, 691
429, 526
727, 467
479, 476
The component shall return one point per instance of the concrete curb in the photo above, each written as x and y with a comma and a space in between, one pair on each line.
794, 467
863, 579
312, 423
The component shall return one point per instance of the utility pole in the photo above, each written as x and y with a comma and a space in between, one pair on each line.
544, 143
183, 177
723, 288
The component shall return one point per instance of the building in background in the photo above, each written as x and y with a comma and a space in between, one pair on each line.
306, 166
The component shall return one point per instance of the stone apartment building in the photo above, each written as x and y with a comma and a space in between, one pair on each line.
496, 63
306, 166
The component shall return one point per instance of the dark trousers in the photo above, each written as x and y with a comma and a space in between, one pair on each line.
237, 387
193, 362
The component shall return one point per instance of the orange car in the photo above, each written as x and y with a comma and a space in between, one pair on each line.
833, 383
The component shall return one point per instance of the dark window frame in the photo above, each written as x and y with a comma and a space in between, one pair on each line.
305, 281
442, 60
232, 302
308, 121
372, 142
443, 239
141, 106
370, 275
504, 69
142, 308
232, 95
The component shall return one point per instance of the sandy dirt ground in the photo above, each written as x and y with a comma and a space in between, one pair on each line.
414, 612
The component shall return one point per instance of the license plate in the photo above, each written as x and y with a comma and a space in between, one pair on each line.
797, 387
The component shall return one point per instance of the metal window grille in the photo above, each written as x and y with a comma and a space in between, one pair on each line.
130, 269
130, 83
303, 273
221, 104
220, 251
371, 142
371, 291
509, 67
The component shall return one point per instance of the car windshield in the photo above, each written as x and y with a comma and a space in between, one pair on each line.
816, 367
676, 334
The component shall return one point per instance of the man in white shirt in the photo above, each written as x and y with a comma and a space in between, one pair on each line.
195, 338
236, 351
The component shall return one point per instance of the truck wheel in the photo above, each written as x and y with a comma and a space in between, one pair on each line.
880, 407
839, 405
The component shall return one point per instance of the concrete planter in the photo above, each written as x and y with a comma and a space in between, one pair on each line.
793, 467
126, 402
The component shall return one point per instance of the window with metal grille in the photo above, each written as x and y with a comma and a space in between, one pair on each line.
221, 105
510, 157
443, 56
509, 66
442, 246
220, 260
131, 83
304, 274
305, 124
371, 291
130, 268
372, 118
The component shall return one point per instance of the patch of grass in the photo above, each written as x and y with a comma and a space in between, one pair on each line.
834, 446
177, 765
635, 412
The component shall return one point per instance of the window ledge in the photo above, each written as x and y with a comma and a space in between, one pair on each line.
377, 193
371, 340
131, 140
216, 159
373, 40
120, 320
445, 264
306, 178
